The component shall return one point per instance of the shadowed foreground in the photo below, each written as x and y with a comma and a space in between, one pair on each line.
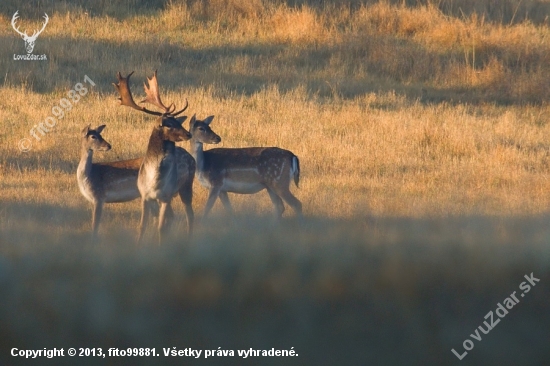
368, 292
410, 110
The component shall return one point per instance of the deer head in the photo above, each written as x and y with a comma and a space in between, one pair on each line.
29, 41
201, 131
169, 120
92, 139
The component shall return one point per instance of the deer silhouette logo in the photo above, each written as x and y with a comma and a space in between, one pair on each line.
29, 40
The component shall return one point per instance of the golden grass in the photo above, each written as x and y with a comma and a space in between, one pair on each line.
470, 58
357, 95
422, 132
377, 154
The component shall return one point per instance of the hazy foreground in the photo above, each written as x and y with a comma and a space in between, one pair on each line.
378, 291
422, 133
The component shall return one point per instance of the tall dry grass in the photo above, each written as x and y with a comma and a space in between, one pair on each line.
348, 50
381, 155
422, 131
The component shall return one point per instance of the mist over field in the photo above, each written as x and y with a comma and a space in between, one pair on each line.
422, 134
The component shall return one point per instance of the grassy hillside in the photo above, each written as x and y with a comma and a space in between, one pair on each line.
422, 132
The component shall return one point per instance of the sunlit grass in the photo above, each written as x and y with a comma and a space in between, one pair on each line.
422, 133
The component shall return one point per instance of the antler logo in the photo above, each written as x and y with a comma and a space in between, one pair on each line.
29, 41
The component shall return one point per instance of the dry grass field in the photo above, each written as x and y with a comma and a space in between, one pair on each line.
423, 133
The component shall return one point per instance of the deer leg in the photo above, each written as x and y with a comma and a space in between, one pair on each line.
214, 192
225, 201
165, 207
186, 195
169, 217
277, 203
145, 208
290, 199
154, 210
96, 218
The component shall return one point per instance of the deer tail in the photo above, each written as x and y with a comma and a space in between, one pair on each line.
295, 171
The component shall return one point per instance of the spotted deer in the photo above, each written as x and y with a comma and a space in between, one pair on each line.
165, 169
243, 170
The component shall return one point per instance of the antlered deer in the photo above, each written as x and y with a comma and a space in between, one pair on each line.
111, 182
243, 170
165, 169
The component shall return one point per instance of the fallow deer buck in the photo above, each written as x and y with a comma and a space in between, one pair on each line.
243, 170
165, 169
111, 182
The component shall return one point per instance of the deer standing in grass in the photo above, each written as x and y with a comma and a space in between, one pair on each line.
166, 169
243, 170
102, 183
112, 182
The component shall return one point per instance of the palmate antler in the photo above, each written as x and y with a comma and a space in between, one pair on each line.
152, 96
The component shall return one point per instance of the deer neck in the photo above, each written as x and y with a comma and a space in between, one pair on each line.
158, 146
198, 153
84, 174
85, 165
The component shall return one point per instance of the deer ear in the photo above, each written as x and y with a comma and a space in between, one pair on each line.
181, 119
99, 129
192, 121
85, 131
208, 120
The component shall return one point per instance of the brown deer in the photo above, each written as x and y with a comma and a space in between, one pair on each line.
111, 182
166, 169
243, 170
101, 183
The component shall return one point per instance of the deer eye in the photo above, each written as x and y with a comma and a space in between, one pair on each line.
93, 137
201, 129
